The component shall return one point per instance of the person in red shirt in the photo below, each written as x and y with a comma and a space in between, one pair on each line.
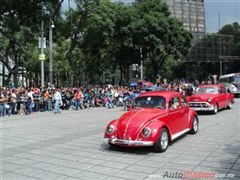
78, 97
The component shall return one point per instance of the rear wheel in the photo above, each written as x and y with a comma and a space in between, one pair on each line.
195, 125
162, 142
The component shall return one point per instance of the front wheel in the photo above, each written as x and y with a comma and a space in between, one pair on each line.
112, 145
162, 142
195, 125
230, 105
215, 110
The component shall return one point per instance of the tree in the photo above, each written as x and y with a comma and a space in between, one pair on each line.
207, 50
30, 61
17, 17
234, 30
159, 34
113, 33
124, 51
96, 37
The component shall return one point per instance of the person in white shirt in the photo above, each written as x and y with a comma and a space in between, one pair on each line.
14, 102
58, 99
30, 102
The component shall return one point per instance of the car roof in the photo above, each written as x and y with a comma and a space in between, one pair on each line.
154, 88
211, 85
166, 94
229, 75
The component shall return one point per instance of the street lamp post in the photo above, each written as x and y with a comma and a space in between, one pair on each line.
42, 49
141, 74
220, 45
51, 26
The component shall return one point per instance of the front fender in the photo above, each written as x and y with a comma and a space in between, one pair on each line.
215, 101
192, 113
114, 123
230, 97
155, 126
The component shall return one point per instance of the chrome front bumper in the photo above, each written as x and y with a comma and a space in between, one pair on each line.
202, 109
236, 93
201, 106
128, 142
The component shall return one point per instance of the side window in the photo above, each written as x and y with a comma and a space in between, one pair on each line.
223, 89
184, 102
231, 79
174, 103
226, 80
219, 90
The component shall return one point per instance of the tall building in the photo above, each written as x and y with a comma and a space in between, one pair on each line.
191, 13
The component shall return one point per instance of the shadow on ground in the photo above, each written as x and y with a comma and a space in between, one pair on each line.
129, 150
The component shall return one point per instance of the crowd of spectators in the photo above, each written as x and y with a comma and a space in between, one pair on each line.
24, 101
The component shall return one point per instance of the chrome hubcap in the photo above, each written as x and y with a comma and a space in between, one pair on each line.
230, 104
215, 109
164, 140
195, 125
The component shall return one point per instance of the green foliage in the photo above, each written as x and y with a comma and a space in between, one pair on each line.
18, 28
98, 33
159, 34
96, 38
61, 66
226, 42
233, 29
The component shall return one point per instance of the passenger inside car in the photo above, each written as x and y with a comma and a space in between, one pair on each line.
174, 103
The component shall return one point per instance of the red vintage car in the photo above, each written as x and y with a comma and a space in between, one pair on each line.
211, 98
154, 119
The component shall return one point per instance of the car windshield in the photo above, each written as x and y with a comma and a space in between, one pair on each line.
237, 79
208, 90
150, 102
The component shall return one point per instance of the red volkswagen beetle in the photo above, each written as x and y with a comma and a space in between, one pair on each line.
211, 98
155, 119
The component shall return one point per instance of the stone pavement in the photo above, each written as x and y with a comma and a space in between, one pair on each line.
68, 146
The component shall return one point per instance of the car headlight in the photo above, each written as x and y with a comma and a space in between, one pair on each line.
146, 132
110, 129
234, 88
209, 100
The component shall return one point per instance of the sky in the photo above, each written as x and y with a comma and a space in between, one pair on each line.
229, 11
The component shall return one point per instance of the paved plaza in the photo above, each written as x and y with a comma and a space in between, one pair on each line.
69, 146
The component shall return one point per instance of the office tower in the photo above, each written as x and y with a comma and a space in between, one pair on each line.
191, 13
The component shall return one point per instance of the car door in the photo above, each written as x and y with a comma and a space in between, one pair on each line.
222, 98
175, 115
225, 97
185, 113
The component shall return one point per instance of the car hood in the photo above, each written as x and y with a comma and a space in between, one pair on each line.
201, 97
133, 121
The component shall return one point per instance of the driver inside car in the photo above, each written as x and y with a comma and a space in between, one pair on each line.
161, 103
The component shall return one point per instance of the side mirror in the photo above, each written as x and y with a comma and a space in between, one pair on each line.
129, 108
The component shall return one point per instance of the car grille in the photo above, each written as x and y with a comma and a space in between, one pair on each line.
238, 86
198, 104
